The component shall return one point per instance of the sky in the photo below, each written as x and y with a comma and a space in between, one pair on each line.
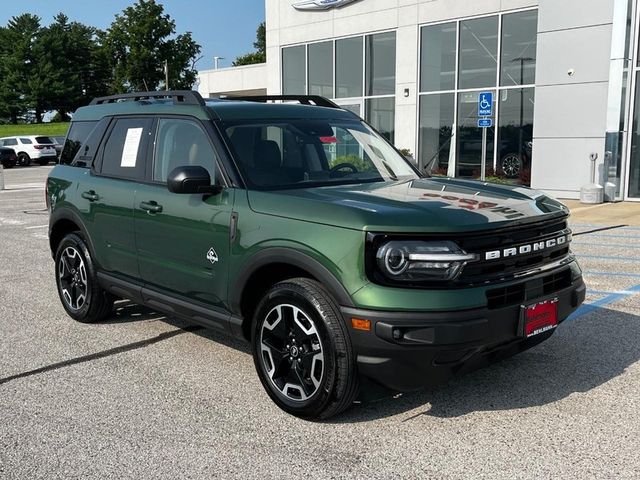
224, 28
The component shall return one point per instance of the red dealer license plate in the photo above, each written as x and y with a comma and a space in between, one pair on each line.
540, 317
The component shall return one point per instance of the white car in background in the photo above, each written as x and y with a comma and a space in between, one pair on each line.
37, 148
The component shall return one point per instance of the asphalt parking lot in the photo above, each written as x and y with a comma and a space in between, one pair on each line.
145, 396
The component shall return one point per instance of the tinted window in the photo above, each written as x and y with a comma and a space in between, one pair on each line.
180, 143
26, 141
519, 45
438, 58
381, 114
478, 52
124, 151
9, 141
436, 131
45, 140
381, 64
294, 71
349, 67
321, 69
78, 133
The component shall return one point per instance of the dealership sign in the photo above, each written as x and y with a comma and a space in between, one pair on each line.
321, 4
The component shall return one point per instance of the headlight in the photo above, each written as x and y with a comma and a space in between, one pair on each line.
408, 261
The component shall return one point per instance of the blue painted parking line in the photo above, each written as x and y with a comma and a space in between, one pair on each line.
607, 257
609, 299
634, 236
621, 245
612, 274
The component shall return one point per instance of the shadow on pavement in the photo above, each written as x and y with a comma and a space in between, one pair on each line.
581, 356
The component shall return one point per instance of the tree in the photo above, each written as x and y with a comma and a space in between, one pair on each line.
139, 41
17, 63
260, 55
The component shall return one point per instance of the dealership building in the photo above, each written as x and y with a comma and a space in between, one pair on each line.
562, 74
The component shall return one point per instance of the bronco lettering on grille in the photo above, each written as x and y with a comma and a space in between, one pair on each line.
527, 248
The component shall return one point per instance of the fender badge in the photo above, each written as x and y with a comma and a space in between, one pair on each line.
212, 256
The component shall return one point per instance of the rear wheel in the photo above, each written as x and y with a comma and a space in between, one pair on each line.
302, 350
24, 160
78, 288
43, 162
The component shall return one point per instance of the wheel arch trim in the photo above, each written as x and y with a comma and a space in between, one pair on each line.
275, 255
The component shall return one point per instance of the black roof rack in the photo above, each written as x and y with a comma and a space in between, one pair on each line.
316, 100
184, 97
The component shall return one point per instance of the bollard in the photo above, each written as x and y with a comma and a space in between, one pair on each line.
1, 176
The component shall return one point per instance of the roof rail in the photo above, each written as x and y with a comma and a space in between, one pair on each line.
316, 100
185, 97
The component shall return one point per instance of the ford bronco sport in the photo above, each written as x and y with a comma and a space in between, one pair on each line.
292, 224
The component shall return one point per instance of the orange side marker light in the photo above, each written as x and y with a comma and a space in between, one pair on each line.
361, 324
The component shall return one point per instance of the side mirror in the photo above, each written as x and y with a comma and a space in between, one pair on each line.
191, 179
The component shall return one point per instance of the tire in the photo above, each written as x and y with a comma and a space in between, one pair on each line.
80, 293
24, 160
511, 165
320, 379
42, 163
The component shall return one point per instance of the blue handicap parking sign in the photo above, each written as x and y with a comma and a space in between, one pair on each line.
485, 104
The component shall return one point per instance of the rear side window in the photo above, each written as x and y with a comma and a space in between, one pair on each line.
9, 141
45, 140
125, 149
76, 137
26, 141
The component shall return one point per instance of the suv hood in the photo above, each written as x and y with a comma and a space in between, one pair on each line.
433, 205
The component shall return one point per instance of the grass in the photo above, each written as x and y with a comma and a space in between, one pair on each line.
45, 129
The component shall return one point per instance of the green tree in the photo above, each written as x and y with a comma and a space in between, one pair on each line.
260, 55
17, 64
140, 40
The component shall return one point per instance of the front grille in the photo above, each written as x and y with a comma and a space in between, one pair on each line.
529, 290
485, 270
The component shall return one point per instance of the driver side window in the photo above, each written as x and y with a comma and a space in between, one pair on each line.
181, 142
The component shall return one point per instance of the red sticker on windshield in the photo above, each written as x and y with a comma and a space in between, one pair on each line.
328, 139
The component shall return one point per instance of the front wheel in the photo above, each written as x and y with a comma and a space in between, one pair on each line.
302, 351
24, 160
77, 282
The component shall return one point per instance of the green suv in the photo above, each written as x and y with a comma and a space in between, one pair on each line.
292, 224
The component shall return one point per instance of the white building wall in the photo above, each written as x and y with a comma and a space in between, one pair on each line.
571, 110
245, 80
287, 26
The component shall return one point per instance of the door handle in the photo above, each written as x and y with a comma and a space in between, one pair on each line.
91, 196
151, 207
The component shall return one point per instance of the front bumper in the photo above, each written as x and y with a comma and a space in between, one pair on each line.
434, 346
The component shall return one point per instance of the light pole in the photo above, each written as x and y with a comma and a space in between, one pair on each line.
215, 61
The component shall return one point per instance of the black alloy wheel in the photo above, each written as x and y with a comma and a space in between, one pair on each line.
302, 350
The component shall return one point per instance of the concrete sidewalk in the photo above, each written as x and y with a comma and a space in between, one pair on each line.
621, 213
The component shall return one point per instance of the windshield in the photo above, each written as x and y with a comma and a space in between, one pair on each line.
301, 153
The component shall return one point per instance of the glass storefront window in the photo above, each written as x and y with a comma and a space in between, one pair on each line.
469, 138
519, 44
381, 113
478, 53
438, 58
380, 64
294, 70
321, 69
349, 67
515, 133
436, 132
634, 163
